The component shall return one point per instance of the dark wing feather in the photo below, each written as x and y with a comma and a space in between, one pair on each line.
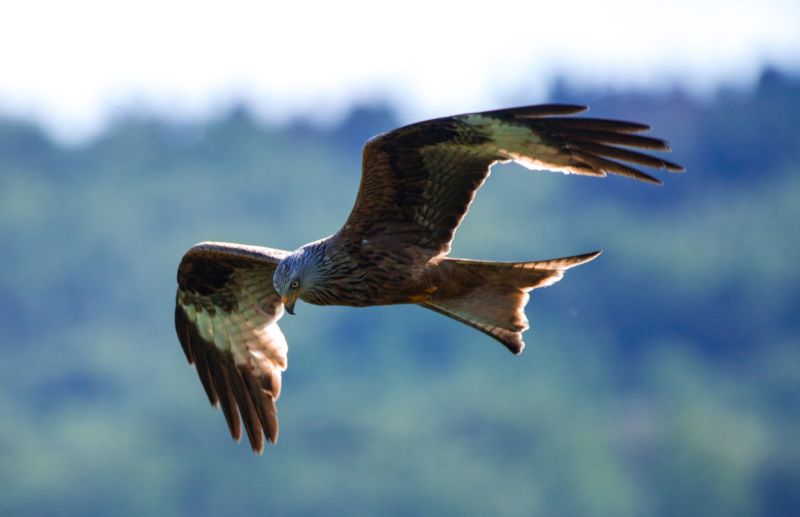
226, 317
418, 181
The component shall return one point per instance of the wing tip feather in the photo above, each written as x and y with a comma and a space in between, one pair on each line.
241, 403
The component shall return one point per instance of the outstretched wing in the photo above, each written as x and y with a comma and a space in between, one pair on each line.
417, 181
226, 317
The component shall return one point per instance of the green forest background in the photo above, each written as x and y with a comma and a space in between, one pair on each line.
661, 379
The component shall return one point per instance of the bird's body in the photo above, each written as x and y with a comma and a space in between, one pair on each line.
378, 275
416, 186
369, 269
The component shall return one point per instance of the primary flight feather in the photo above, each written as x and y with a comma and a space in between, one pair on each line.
417, 183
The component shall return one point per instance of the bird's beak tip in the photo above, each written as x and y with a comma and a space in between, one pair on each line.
288, 304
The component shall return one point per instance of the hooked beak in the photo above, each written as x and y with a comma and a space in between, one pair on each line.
288, 303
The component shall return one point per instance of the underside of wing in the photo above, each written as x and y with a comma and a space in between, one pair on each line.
418, 181
226, 318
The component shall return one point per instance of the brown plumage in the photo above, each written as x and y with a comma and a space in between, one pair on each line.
416, 186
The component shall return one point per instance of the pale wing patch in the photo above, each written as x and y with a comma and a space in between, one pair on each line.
523, 146
261, 345
586, 146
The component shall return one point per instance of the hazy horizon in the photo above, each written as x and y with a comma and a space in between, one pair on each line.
73, 68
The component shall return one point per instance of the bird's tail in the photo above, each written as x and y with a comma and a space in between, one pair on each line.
491, 296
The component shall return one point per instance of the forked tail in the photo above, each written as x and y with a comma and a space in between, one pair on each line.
491, 296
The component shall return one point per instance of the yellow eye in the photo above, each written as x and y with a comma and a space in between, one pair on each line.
295, 284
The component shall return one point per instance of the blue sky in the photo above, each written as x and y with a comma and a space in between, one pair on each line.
74, 65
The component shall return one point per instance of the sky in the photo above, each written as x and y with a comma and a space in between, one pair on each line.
74, 66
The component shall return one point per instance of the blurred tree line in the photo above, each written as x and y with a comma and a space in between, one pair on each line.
662, 379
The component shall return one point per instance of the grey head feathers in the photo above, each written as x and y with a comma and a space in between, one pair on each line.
300, 270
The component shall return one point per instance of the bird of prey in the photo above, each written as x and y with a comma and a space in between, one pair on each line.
417, 183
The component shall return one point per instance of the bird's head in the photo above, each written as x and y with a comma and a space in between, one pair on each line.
296, 274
